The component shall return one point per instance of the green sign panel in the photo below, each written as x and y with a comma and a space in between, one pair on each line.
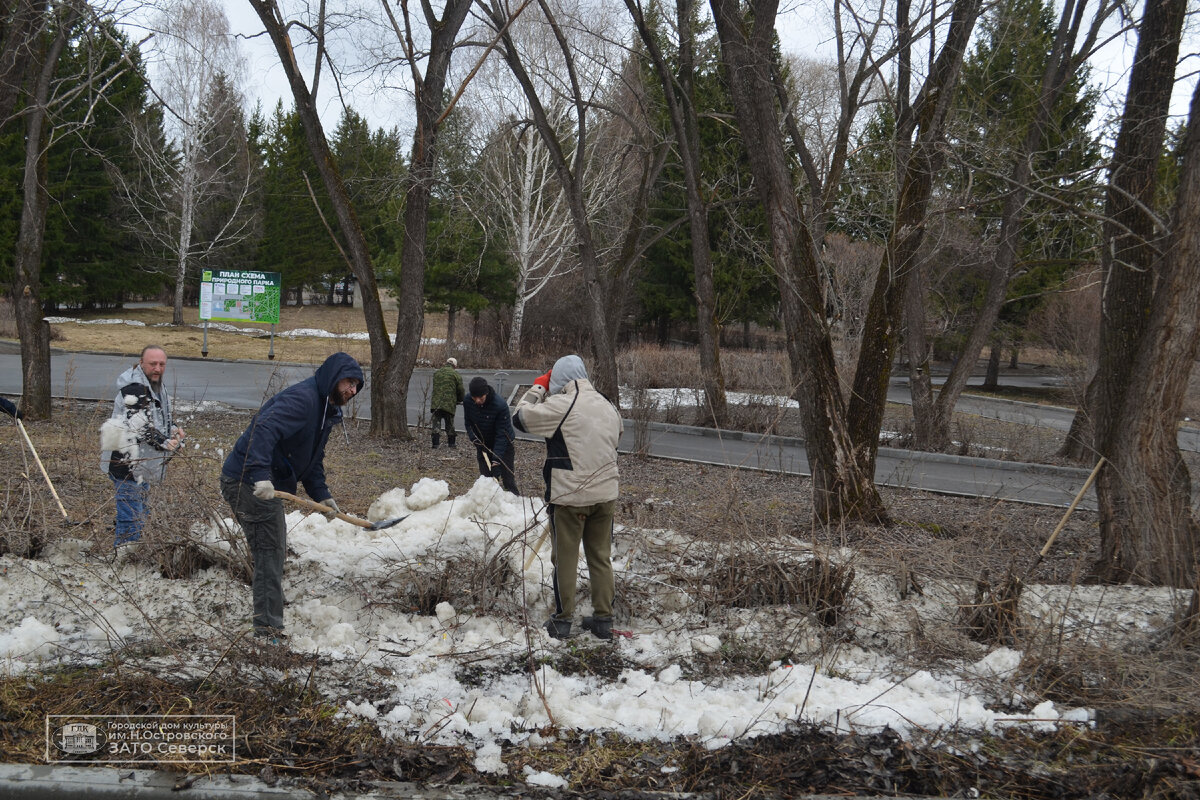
239, 296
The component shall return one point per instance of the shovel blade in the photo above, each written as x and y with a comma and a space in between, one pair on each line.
387, 523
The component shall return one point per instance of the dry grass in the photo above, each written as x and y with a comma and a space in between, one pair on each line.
188, 340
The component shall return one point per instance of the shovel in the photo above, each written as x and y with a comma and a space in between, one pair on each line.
362, 523
45, 474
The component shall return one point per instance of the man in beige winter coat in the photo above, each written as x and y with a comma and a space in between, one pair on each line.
581, 428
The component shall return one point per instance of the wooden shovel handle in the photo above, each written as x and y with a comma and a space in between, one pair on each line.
45, 474
314, 506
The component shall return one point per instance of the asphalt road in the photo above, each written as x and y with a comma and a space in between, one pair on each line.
246, 384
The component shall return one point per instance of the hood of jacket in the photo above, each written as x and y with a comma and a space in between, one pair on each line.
566, 369
336, 367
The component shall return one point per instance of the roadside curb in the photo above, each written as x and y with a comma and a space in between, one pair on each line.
895, 452
50, 782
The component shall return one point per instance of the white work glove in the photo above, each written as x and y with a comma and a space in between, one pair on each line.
331, 515
264, 490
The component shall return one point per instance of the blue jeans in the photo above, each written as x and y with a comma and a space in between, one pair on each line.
131, 510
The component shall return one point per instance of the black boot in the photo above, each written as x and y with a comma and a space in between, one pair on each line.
601, 627
558, 628
436, 438
450, 441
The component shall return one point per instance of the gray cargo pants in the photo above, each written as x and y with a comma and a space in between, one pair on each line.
266, 533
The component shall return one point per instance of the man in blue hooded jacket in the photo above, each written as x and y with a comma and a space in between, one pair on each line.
284, 446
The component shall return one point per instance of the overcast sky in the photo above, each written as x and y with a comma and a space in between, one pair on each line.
803, 27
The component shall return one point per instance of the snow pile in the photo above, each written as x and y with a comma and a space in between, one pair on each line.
664, 399
442, 605
61, 320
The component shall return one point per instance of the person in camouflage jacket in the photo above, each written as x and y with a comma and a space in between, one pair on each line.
447, 395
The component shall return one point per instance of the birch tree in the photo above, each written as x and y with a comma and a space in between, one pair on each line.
527, 198
579, 88
196, 52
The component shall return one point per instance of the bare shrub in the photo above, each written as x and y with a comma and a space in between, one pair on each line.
991, 617
185, 530
1186, 628
23, 524
744, 371
757, 415
8, 319
820, 585
464, 582
487, 579
853, 266
181, 554
1069, 324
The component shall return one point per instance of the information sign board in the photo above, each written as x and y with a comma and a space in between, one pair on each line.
239, 296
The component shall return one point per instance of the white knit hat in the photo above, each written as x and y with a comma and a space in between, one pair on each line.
452, 362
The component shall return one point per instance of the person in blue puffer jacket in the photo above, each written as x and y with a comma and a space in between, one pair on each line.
284, 446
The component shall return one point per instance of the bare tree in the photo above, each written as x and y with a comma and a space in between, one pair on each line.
47, 29
529, 202
678, 91
1149, 327
46, 45
1074, 43
841, 489
571, 170
220, 183
195, 49
391, 367
17, 45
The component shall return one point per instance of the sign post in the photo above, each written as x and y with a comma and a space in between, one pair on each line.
239, 296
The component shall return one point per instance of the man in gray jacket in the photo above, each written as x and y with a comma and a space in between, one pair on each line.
581, 428
136, 440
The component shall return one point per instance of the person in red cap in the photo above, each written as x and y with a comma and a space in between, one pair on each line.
581, 428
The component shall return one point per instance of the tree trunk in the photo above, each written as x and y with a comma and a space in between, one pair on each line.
920, 362
518, 319
1079, 445
187, 208
919, 164
32, 330
410, 302
842, 488
682, 111
604, 371
391, 367
991, 378
1147, 533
